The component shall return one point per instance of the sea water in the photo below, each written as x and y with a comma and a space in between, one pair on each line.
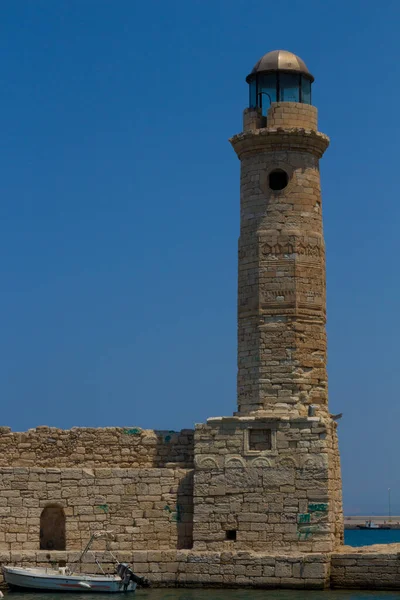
215, 594
352, 538
366, 537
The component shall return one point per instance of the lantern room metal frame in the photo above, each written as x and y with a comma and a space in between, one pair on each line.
277, 86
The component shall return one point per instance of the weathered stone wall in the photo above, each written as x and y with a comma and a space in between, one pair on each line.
367, 568
145, 508
185, 568
283, 499
124, 447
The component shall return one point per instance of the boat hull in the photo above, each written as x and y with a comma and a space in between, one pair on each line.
50, 580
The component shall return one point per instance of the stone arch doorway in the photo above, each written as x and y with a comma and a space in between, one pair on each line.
52, 528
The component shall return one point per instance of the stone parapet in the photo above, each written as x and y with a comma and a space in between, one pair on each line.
253, 119
292, 114
124, 447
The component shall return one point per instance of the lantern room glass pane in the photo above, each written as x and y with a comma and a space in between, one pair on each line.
305, 90
266, 92
289, 87
253, 93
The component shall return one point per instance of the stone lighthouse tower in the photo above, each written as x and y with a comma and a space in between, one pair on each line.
281, 304
268, 478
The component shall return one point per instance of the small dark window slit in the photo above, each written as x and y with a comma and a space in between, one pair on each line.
231, 535
278, 179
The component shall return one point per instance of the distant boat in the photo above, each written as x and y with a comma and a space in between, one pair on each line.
372, 525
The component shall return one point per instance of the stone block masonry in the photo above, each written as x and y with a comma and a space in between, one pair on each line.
137, 482
371, 567
124, 447
145, 508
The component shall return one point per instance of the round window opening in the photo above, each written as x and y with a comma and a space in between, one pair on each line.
278, 180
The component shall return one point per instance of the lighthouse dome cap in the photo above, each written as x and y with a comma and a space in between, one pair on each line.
280, 60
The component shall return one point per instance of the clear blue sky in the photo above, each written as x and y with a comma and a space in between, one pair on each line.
120, 212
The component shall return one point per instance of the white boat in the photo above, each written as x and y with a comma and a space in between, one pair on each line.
66, 579
60, 580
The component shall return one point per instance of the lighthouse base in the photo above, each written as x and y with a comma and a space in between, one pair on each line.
267, 484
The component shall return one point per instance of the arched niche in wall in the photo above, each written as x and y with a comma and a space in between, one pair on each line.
52, 528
